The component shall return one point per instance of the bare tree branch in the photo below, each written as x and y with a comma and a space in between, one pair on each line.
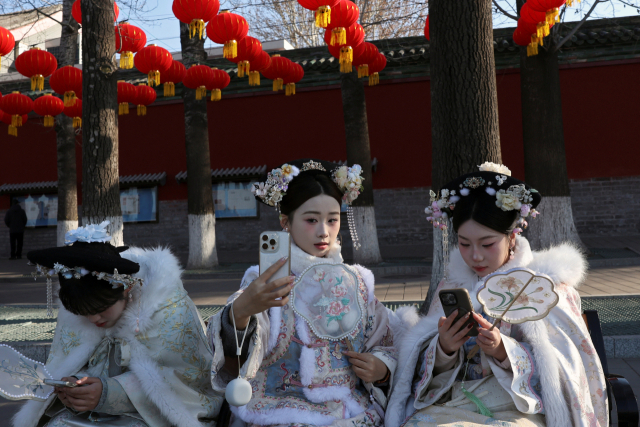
41, 12
578, 25
504, 12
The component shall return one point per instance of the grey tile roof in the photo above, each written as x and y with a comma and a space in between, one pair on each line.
28, 187
144, 179
19, 19
224, 174
52, 186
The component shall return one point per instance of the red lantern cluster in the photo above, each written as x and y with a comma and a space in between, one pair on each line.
75, 112
48, 106
145, 96
36, 64
261, 63
375, 67
195, 13
248, 50
16, 105
76, 12
295, 75
354, 36
228, 29
364, 58
219, 81
67, 81
126, 94
536, 19
174, 75
323, 10
198, 77
279, 70
344, 16
129, 40
7, 42
153, 61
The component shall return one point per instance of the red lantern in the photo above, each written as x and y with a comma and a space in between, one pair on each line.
366, 56
7, 118
549, 7
354, 37
7, 42
248, 49
145, 96
343, 51
129, 40
36, 64
279, 70
174, 75
426, 29
530, 16
75, 112
16, 105
67, 81
345, 14
526, 35
228, 29
219, 81
297, 73
375, 67
261, 63
76, 12
198, 77
126, 94
195, 13
322, 9
153, 60
48, 106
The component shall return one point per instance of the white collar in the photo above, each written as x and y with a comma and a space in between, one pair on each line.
300, 259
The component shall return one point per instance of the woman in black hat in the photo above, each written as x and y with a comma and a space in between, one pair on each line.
127, 334
536, 373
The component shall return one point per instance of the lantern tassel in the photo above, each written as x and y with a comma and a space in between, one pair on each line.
374, 79
323, 16
123, 108
532, 48
169, 89
77, 122
254, 78
290, 89
338, 36
216, 95
277, 85
16, 120
243, 68
142, 110
37, 82
154, 78
553, 16
70, 98
201, 92
346, 59
363, 71
543, 30
196, 25
48, 121
126, 60
13, 131
230, 49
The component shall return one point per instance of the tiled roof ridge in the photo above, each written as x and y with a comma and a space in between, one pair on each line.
7, 18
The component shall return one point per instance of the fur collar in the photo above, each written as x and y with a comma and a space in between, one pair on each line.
300, 259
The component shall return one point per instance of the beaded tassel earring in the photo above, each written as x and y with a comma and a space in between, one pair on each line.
352, 229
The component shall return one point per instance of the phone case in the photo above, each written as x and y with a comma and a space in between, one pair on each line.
59, 383
273, 246
463, 305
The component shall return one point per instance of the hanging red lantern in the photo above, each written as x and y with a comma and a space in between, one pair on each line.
550, 7
323, 10
7, 42
174, 75
375, 67
129, 40
153, 60
366, 56
296, 74
530, 16
195, 13
248, 49
220, 80
526, 35
339, 52
228, 29
426, 29
126, 94
16, 105
67, 81
36, 64
345, 14
261, 63
279, 70
7, 118
145, 96
75, 112
198, 77
76, 12
48, 106
354, 37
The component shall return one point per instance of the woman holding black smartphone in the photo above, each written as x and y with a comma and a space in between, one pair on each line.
290, 372
538, 373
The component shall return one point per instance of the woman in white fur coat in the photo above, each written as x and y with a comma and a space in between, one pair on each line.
537, 373
131, 339
297, 377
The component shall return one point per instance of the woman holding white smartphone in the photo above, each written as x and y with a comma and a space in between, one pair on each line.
296, 376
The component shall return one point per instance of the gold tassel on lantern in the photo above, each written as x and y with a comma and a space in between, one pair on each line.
37, 82
70, 98
13, 131
346, 59
532, 48
243, 68
338, 36
363, 71
374, 79
570, 2
123, 108
230, 49
323, 16
290, 89
77, 122
254, 78
154, 78
48, 121
169, 89
201, 92
553, 16
142, 110
277, 85
126, 60
216, 95
16, 121
543, 30
196, 25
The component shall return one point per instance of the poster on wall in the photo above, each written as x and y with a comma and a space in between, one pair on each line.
41, 210
234, 200
139, 204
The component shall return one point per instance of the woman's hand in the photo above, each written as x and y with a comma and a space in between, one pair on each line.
490, 341
61, 391
261, 295
452, 337
86, 396
366, 366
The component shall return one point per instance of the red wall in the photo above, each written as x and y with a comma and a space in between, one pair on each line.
599, 111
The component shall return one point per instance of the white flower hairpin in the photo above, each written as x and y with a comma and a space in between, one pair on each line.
89, 233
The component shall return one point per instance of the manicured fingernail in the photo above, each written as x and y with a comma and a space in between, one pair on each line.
283, 259
469, 326
466, 315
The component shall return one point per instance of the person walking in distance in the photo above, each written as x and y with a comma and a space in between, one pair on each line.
16, 220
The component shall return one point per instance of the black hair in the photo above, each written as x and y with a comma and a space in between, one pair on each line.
88, 295
481, 207
305, 186
15, 202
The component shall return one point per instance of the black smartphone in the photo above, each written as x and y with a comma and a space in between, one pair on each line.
458, 299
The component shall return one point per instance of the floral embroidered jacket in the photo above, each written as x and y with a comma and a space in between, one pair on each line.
165, 366
553, 370
300, 379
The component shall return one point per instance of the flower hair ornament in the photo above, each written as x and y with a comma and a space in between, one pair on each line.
348, 179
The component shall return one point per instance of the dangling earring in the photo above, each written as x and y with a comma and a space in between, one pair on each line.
130, 297
511, 253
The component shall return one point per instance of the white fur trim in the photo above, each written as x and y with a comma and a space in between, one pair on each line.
564, 263
276, 416
369, 280
275, 316
402, 320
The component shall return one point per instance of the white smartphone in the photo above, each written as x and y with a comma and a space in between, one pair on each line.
59, 383
273, 246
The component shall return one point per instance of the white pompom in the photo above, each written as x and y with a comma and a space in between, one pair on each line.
238, 392
491, 191
454, 199
464, 191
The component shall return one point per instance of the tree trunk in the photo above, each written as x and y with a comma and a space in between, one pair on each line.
544, 154
464, 103
354, 107
65, 135
202, 220
100, 175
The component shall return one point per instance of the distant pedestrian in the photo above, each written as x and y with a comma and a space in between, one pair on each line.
16, 220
